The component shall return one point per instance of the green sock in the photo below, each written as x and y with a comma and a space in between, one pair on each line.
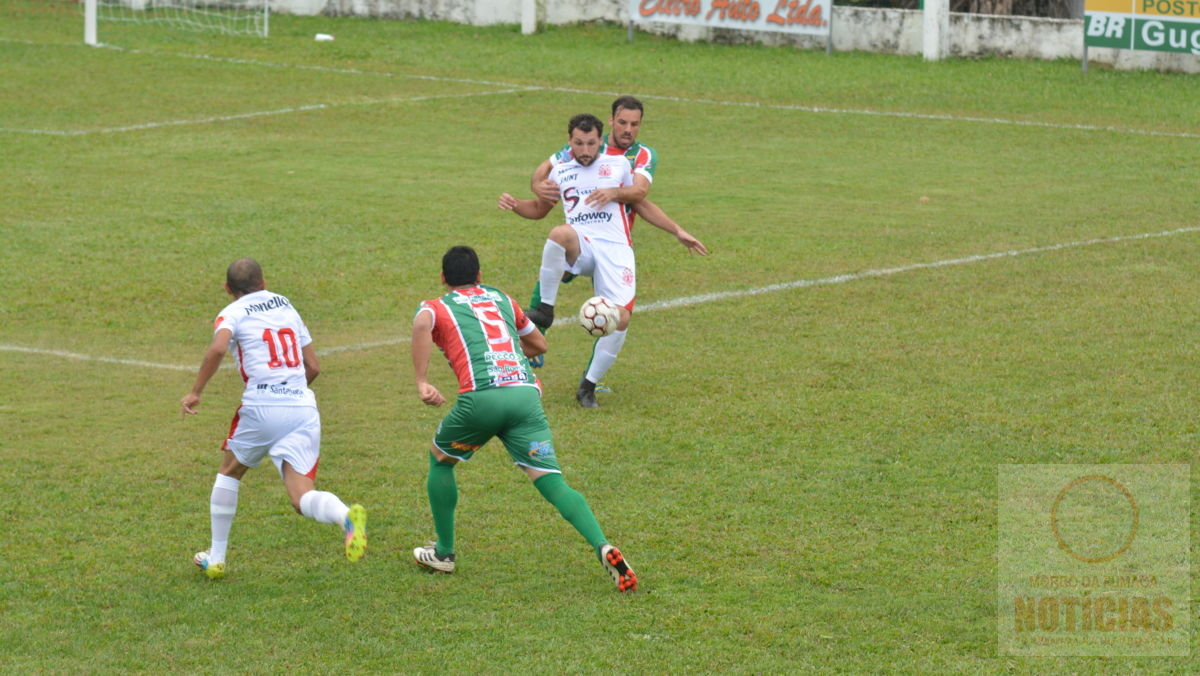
573, 507
536, 298
443, 498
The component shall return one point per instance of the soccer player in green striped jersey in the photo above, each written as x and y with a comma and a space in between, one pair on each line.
488, 339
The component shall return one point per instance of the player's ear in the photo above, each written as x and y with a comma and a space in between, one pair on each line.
479, 276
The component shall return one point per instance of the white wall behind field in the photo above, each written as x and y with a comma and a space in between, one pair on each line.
895, 31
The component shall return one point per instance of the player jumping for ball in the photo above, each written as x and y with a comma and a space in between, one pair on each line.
600, 187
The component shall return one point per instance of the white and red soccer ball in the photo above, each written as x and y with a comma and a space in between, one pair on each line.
599, 316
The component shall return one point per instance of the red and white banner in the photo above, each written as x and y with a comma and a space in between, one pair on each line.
810, 17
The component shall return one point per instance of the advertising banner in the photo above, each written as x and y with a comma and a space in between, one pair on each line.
809, 17
1152, 25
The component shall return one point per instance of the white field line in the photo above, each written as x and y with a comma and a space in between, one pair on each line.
514, 87
87, 357
242, 116
690, 300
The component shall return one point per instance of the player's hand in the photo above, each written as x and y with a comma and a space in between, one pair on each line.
693, 245
546, 190
430, 395
506, 202
188, 404
600, 197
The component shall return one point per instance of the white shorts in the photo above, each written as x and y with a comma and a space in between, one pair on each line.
290, 434
612, 268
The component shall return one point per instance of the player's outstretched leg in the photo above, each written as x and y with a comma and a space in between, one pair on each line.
575, 509
616, 565
355, 527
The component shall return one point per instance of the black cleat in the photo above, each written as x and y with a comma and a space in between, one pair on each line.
586, 394
542, 316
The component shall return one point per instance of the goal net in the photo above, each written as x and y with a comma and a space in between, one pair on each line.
232, 17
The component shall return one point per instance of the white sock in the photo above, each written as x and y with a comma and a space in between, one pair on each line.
554, 264
604, 354
324, 506
222, 505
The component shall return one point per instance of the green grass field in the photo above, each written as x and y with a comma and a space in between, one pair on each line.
920, 272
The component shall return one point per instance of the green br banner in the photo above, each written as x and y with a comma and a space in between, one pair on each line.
1152, 25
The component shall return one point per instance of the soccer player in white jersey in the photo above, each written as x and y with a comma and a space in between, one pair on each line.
595, 241
278, 416
625, 123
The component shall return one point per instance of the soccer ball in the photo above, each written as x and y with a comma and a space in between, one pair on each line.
599, 316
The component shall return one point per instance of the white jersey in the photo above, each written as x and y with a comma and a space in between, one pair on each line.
575, 182
268, 335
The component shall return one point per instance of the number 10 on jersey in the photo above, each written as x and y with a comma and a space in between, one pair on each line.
283, 347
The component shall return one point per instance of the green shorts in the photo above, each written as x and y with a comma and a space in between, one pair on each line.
514, 414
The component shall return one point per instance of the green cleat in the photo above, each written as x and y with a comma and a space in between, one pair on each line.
214, 571
356, 532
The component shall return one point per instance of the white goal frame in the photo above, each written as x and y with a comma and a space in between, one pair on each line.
91, 17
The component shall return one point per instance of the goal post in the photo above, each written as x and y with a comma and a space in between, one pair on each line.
231, 17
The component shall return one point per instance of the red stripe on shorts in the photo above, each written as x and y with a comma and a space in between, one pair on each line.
232, 428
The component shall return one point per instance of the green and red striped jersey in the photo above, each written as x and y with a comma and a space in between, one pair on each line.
479, 330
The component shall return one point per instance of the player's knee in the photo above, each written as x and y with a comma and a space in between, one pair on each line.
564, 235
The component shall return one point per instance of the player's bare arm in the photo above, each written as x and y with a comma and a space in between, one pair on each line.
422, 348
541, 185
655, 216
630, 194
208, 367
312, 366
534, 209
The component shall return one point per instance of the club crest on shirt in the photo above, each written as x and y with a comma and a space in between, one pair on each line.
605, 171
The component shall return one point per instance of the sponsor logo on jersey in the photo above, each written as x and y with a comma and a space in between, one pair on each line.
272, 304
460, 446
591, 217
570, 198
285, 391
541, 449
217, 322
